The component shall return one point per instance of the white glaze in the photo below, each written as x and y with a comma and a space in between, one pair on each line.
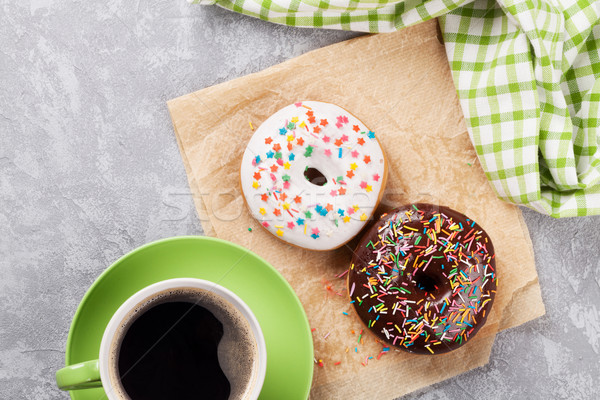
359, 198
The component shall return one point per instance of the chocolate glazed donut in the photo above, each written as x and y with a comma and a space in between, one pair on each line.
423, 278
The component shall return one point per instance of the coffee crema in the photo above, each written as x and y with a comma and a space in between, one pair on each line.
183, 343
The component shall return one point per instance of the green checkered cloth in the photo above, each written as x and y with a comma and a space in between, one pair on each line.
527, 74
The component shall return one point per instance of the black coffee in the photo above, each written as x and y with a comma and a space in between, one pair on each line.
170, 352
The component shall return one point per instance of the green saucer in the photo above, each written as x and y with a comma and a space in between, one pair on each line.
272, 300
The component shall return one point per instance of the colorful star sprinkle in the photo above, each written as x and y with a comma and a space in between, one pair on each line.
311, 135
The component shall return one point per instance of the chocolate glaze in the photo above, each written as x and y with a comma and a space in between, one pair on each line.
423, 278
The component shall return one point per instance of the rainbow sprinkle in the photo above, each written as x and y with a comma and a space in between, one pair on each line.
427, 280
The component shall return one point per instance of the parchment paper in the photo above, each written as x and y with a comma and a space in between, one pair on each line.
400, 85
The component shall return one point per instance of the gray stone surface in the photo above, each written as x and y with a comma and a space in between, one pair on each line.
89, 170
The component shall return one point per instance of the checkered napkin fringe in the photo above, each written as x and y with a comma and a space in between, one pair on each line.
527, 73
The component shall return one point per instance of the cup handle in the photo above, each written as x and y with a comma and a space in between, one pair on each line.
84, 375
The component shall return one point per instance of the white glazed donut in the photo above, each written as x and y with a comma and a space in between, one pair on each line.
313, 174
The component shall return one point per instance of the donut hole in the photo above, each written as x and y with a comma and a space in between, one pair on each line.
426, 282
315, 176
